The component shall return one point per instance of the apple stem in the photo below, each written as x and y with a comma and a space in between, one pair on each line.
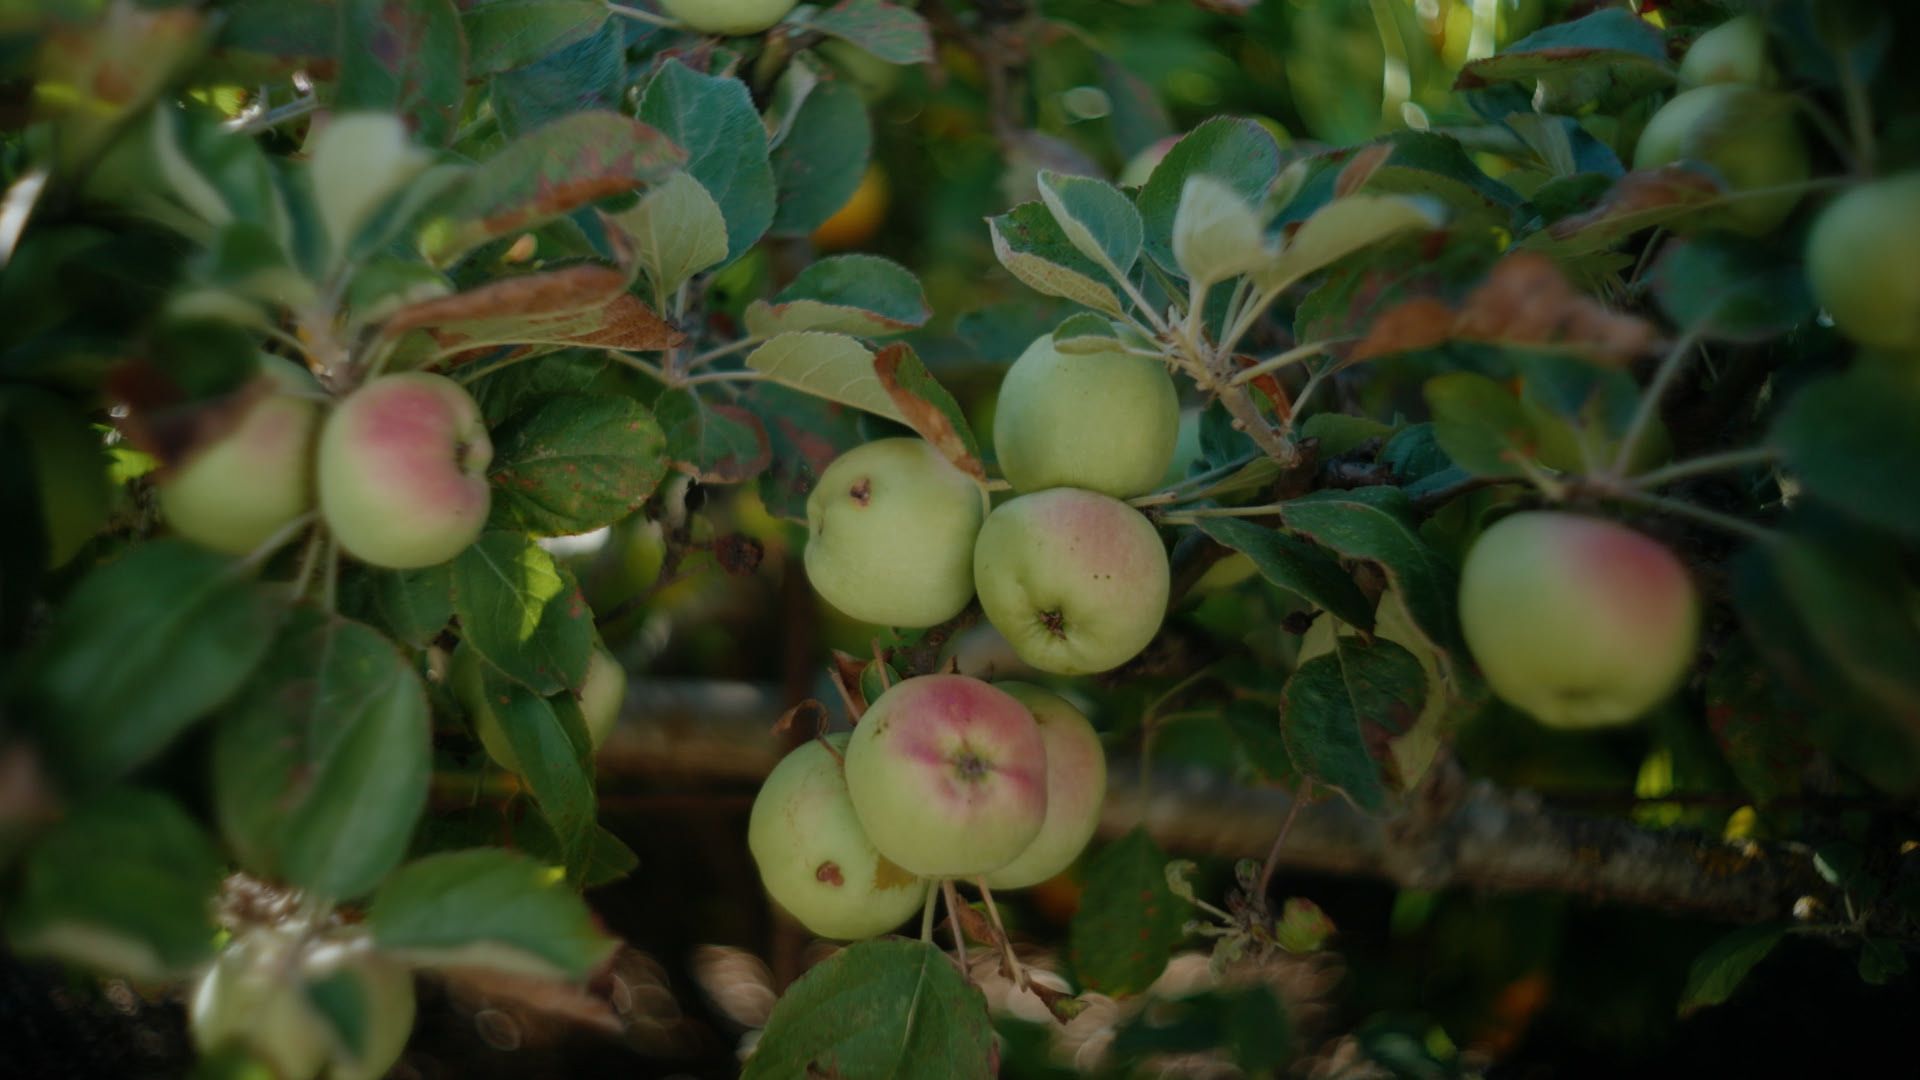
638, 15
926, 916
885, 673
1273, 854
1014, 971
309, 561
821, 738
959, 935
330, 590
258, 555
1704, 465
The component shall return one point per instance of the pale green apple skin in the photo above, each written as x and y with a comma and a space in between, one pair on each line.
1733, 52
254, 996
948, 775
1105, 421
601, 694
1577, 621
1076, 788
728, 16
403, 471
236, 494
1077, 581
814, 858
1861, 260
890, 530
1747, 135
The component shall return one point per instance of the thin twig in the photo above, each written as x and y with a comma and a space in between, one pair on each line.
1273, 854
1014, 971
1291, 356
724, 376
1192, 485
1649, 406
723, 351
926, 916
959, 935
1705, 465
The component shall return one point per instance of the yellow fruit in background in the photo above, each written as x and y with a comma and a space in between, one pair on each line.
858, 220
1860, 258
1747, 135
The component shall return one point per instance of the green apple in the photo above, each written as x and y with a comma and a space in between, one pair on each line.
948, 776
1747, 135
252, 482
890, 530
814, 858
1733, 52
1076, 788
728, 16
403, 471
255, 996
1578, 621
601, 695
1104, 421
1139, 167
1860, 257
1077, 581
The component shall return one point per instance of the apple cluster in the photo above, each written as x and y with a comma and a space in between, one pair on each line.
397, 468
945, 776
1074, 578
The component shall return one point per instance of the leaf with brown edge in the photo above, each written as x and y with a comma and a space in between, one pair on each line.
1270, 385
928, 407
160, 423
1639, 200
1365, 162
845, 670
715, 444
1527, 301
577, 305
551, 171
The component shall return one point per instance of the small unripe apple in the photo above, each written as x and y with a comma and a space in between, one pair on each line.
728, 16
601, 695
1578, 621
255, 997
1139, 167
403, 471
948, 775
814, 858
234, 495
890, 530
1733, 52
1860, 257
1745, 134
1076, 581
1076, 788
1105, 421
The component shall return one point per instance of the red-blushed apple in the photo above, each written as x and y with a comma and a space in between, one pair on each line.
728, 16
1747, 135
814, 858
1076, 788
890, 530
1104, 421
948, 775
1577, 621
601, 694
254, 481
255, 997
1860, 258
403, 471
1076, 581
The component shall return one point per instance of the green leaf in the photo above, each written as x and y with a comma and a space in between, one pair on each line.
123, 886
548, 173
891, 1008
1437, 167
506, 34
1339, 433
487, 908
864, 295
1852, 604
1237, 152
412, 606
820, 160
554, 754
1881, 961
1217, 234
831, 366
714, 121
1730, 288
930, 409
521, 386
806, 433
1639, 200
575, 463
1610, 57
677, 231
1480, 424
1346, 226
589, 74
406, 57
889, 31
1033, 248
715, 444
1851, 441
1096, 218
1338, 708
1129, 920
320, 767
145, 646
1718, 972
1303, 927
522, 612
1301, 568
1249, 1024
1377, 524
